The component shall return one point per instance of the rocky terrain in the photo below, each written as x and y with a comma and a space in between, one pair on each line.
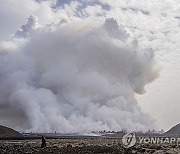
106, 144
82, 146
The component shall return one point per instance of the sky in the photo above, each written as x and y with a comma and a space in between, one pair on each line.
149, 28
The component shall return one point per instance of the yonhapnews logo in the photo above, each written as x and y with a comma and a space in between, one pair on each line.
129, 140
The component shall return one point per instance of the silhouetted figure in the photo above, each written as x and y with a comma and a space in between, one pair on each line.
43, 144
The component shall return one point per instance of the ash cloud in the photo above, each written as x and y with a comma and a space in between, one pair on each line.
79, 77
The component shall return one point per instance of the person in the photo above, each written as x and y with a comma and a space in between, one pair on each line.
43, 144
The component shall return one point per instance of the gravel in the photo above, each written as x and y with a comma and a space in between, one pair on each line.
82, 146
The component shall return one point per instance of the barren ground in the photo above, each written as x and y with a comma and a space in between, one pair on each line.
82, 146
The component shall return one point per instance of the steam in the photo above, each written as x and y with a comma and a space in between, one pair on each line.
78, 77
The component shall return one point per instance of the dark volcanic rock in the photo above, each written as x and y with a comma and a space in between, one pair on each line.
174, 130
8, 132
75, 146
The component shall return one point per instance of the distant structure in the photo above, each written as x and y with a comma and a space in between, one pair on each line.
43, 144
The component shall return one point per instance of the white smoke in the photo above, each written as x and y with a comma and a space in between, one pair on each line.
27, 29
80, 77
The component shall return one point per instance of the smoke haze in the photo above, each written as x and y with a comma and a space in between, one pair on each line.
75, 77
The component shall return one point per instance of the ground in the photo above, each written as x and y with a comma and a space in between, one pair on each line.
82, 146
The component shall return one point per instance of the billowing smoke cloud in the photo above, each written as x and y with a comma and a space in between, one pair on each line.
27, 29
78, 77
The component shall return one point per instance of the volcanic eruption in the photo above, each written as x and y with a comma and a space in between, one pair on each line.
77, 76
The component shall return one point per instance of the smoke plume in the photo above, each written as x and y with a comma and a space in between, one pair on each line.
77, 77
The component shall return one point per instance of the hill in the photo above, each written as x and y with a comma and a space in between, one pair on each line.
174, 130
8, 132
